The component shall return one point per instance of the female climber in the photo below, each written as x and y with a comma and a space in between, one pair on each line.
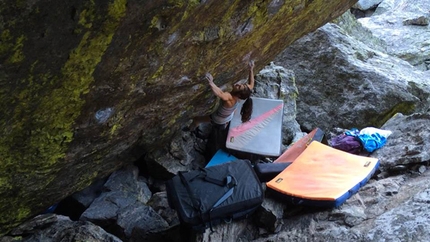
230, 100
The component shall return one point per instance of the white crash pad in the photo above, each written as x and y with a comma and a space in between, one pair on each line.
260, 135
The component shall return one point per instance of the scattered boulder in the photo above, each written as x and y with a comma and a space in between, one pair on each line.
182, 154
128, 180
160, 204
141, 218
366, 4
408, 144
52, 227
419, 21
121, 208
276, 82
270, 215
87, 196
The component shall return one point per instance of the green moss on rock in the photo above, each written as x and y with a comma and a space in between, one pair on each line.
10, 45
5, 41
17, 55
404, 107
39, 136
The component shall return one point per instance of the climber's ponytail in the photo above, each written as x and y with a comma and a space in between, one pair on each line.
246, 110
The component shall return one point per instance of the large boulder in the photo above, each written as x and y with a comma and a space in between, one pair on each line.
87, 86
344, 82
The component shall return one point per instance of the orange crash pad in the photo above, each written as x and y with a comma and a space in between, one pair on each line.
298, 147
323, 176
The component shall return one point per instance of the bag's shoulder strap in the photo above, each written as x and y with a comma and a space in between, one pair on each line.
231, 183
196, 205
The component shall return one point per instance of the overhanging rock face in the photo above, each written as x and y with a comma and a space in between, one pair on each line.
87, 86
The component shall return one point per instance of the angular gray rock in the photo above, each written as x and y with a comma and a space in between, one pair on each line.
87, 196
366, 4
128, 180
228, 232
140, 217
122, 206
409, 144
53, 228
182, 154
407, 222
269, 216
276, 82
160, 204
106, 207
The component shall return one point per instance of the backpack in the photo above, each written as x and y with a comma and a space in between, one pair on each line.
347, 143
206, 197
